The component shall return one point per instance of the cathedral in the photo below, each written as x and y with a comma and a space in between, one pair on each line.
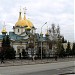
24, 36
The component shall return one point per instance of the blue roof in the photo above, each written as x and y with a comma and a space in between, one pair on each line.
14, 36
40, 38
1, 37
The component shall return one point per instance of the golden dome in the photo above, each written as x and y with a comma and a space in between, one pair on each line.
4, 30
28, 28
29, 23
47, 32
17, 23
41, 33
23, 22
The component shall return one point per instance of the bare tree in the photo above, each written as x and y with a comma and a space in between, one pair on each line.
54, 36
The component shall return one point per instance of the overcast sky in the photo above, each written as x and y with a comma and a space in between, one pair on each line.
40, 11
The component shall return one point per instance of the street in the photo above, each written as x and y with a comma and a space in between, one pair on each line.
39, 69
53, 71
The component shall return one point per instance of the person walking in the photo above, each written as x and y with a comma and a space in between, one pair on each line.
55, 57
2, 58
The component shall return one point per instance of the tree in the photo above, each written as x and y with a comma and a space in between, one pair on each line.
52, 34
63, 40
73, 49
9, 52
43, 52
24, 53
38, 53
3, 42
62, 51
7, 41
56, 38
68, 49
59, 46
3, 46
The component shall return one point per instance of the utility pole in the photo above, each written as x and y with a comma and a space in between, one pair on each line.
41, 40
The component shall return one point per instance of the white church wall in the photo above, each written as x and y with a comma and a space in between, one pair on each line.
16, 30
65, 45
20, 46
23, 29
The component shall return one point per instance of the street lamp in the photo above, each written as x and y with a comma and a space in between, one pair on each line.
41, 39
42, 26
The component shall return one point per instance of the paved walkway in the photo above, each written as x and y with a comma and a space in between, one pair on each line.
29, 62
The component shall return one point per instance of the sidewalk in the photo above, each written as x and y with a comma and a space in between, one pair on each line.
30, 62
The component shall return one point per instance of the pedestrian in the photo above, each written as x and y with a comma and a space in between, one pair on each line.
19, 55
2, 58
55, 57
33, 57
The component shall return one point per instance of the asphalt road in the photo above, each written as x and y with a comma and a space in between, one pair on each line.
39, 69
54, 71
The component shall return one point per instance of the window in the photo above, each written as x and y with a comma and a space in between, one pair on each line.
18, 30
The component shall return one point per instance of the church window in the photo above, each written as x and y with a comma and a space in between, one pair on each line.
18, 30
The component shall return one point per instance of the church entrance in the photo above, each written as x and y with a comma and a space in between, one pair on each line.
19, 49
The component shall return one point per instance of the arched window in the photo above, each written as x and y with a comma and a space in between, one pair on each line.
18, 30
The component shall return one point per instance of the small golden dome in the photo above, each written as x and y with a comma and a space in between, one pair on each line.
4, 30
46, 34
41, 33
28, 28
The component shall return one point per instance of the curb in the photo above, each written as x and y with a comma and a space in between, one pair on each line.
34, 63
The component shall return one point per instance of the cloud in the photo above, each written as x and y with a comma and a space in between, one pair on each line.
40, 11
